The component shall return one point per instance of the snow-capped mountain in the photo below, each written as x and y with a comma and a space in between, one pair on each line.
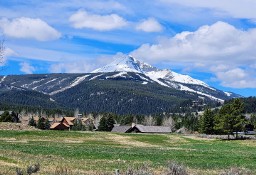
127, 63
125, 86
165, 77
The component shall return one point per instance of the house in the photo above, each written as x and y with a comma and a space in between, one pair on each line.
66, 123
135, 128
59, 126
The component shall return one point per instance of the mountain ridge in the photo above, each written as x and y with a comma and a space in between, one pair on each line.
164, 77
143, 89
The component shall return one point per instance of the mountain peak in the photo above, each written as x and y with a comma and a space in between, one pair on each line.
127, 63
122, 63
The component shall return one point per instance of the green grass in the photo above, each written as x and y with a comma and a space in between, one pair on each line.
87, 152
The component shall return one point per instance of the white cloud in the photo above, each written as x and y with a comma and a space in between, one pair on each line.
149, 25
236, 8
28, 28
26, 68
220, 47
237, 77
83, 19
78, 66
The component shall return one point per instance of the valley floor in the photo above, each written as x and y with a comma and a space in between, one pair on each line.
98, 152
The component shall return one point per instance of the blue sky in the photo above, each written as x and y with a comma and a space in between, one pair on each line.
213, 41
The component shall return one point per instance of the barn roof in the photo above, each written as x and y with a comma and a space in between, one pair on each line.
122, 129
153, 129
54, 125
70, 120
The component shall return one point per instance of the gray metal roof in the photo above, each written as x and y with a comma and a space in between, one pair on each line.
122, 129
153, 129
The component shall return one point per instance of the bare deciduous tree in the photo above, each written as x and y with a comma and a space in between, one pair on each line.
169, 122
149, 121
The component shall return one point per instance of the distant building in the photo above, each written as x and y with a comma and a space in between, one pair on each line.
66, 123
141, 129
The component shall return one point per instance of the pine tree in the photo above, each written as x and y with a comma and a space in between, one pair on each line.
253, 121
103, 124
110, 123
207, 122
32, 122
6, 117
47, 124
230, 118
239, 119
40, 123
78, 126
15, 117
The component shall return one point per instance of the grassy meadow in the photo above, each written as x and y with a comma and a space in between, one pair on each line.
98, 152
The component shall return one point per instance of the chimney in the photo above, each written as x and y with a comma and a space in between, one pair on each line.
133, 124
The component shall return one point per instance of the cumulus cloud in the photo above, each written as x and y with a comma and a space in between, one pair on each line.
26, 68
237, 77
220, 45
78, 66
149, 25
83, 19
28, 28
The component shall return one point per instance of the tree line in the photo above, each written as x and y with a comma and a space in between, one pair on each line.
230, 119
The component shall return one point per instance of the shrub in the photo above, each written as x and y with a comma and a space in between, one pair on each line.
33, 168
143, 170
62, 171
19, 171
32, 122
236, 171
176, 169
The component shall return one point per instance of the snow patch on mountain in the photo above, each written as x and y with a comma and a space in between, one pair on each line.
93, 78
33, 83
121, 74
228, 94
2, 80
185, 88
77, 81
187, 79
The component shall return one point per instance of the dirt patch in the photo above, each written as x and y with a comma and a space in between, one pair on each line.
128, 141
73, 141
195, 137
15, 126
3, 163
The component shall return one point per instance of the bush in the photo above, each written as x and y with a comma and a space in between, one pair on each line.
143, 170
236, 171
62, 171
19, 171
6, 117
176, 169
33, 168
32, 122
